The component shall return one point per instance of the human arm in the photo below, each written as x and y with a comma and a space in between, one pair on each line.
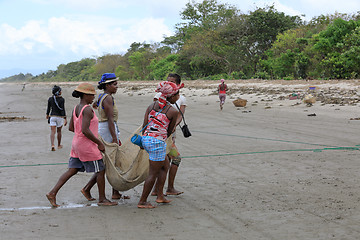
48, 109
71, 124
88, 114
173, 116
146, 117
95, 106
64, 112
108, 104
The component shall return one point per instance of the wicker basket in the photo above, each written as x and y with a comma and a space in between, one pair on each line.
309, 99
240, 102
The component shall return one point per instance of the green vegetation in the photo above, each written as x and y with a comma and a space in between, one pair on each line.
217, 41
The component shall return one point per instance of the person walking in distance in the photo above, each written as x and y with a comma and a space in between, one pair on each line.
56, 115
222, 88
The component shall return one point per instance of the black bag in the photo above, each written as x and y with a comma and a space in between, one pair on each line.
185, 131
184, 128
48, 120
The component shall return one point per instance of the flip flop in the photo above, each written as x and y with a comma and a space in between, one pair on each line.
53, 148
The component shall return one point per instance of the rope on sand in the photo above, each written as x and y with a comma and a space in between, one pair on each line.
218, 155
277, 151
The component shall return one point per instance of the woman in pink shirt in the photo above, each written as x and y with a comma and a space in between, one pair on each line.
86, 148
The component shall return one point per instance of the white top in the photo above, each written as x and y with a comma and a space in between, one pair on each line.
181, 101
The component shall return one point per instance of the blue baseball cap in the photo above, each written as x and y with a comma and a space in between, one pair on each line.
107, 78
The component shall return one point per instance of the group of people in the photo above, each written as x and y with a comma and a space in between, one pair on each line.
161, 118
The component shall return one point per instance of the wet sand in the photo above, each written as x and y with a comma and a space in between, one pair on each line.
266, 171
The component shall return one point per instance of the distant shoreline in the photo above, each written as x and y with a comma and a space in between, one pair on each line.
206, 84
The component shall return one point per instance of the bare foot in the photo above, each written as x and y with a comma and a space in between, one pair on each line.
116, 195
106, 202
173, 192
163, 200
53, 148
52, 200
60, 146
155, 194
126, 196
145, 205
87, 195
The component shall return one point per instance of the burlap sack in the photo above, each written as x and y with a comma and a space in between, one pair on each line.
127, 166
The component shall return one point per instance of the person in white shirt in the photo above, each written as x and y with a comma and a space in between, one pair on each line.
174, 155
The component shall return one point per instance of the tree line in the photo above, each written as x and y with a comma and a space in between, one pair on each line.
216, 41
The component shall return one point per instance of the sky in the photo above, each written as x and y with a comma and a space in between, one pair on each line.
38, 35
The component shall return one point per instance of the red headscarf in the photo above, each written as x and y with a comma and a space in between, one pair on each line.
167, 89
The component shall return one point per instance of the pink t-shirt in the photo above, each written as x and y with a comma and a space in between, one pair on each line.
82, 147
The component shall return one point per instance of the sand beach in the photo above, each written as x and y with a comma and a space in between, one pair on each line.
274, 169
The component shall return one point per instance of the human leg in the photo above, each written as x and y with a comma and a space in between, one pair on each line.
86, 190
175, 158
117, 195
100, 180
51, 196
161, 182
172, 173
58, 131
52, 137
98, 168
155, 189
222, 100
154, 169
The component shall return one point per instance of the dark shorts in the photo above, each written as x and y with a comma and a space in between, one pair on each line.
90, 166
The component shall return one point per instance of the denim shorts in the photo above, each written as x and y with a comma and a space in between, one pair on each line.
155, 147
89, 166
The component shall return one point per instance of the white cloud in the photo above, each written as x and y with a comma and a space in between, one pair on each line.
330, 6
92, 36
84, 4
23, 40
